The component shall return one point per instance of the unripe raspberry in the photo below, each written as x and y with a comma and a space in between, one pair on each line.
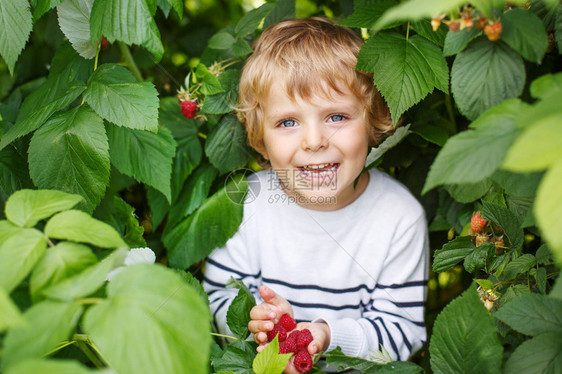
481, 239
493, 31
477, 223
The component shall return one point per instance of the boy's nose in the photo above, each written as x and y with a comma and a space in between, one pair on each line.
314, 138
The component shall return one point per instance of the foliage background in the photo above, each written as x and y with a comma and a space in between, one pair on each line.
173, 175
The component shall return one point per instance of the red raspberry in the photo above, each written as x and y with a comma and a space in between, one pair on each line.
477, 223
302, 361
287, 322
289, 345
277, 329
188, 108
304, 339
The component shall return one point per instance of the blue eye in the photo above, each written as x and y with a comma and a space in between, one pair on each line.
337, 118
288, 123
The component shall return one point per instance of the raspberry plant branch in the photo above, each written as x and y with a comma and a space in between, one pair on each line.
226, 336
129, 60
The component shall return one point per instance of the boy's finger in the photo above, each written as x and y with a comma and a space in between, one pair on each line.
259, 312
260, 338
256, 326
269, 296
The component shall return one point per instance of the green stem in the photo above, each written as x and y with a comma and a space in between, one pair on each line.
450, 112
61, 346
225, 336
130, 61
201, 135
408, 31
89, 300
91, 356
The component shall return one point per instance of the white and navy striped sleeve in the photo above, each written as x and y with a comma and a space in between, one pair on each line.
394, 316
231, 261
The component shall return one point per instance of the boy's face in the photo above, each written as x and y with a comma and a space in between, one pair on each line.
317, 146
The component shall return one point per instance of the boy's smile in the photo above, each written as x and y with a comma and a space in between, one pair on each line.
317, 146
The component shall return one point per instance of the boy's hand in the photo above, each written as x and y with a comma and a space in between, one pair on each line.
321, 341
266, 314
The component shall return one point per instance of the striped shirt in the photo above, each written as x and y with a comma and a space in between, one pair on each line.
361, 269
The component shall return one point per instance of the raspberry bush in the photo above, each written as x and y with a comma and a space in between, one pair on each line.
102, 149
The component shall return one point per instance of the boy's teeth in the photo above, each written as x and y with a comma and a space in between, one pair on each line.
318, 166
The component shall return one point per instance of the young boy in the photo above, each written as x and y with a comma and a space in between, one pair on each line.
343, 251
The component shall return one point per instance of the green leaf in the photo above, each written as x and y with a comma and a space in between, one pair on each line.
210, 84
469, 192
524, 32
464, 338
518, 184
59, 262
70, 153
178, 7
206, 229
406, 70
224, 102
88, 281
14, 173
546, 85
129, 21
238, 314
234, 359
434, 134
284, 9
43, 6
368, 14
226, 145
540, 279
510, 223
270, 361
144, 155
53, 95
541, 354
55, 366
389, 142
123, 219
548, 209
151, 322
193, 194
16, 25
50, 323
477, 258
10, 315
27, 207
221, 40
337, 359
424, 28
252, 19
414, 10
115, 94
518, 266
18, 254
452, 253
241, 48
537, 148
456, 42
74, 21
473, 155
78, 226
484, 75
543, 255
